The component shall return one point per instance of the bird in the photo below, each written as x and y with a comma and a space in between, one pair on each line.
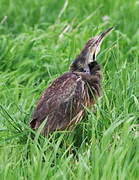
62, 105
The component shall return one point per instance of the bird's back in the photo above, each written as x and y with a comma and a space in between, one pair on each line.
61, 104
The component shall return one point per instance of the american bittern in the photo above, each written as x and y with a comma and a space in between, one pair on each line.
63, 103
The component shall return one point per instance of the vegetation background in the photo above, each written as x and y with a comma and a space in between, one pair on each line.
38, 41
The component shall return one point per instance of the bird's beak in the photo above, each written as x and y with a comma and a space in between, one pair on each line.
93, 46
103, 34
90, 51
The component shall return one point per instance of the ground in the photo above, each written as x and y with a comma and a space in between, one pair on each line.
38, 41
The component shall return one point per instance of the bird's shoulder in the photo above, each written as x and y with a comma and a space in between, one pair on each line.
61, 90
62, 86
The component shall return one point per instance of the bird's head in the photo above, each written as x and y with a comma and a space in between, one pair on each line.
89, 52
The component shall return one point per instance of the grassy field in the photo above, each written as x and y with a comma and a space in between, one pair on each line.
38, 41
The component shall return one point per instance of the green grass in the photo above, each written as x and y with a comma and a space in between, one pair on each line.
38, 41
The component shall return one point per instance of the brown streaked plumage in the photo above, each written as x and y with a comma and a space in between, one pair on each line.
62, 103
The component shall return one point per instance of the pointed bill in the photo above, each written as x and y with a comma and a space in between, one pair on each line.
104, 34
94, 47
90, 51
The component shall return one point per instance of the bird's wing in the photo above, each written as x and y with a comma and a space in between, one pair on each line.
61, 103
